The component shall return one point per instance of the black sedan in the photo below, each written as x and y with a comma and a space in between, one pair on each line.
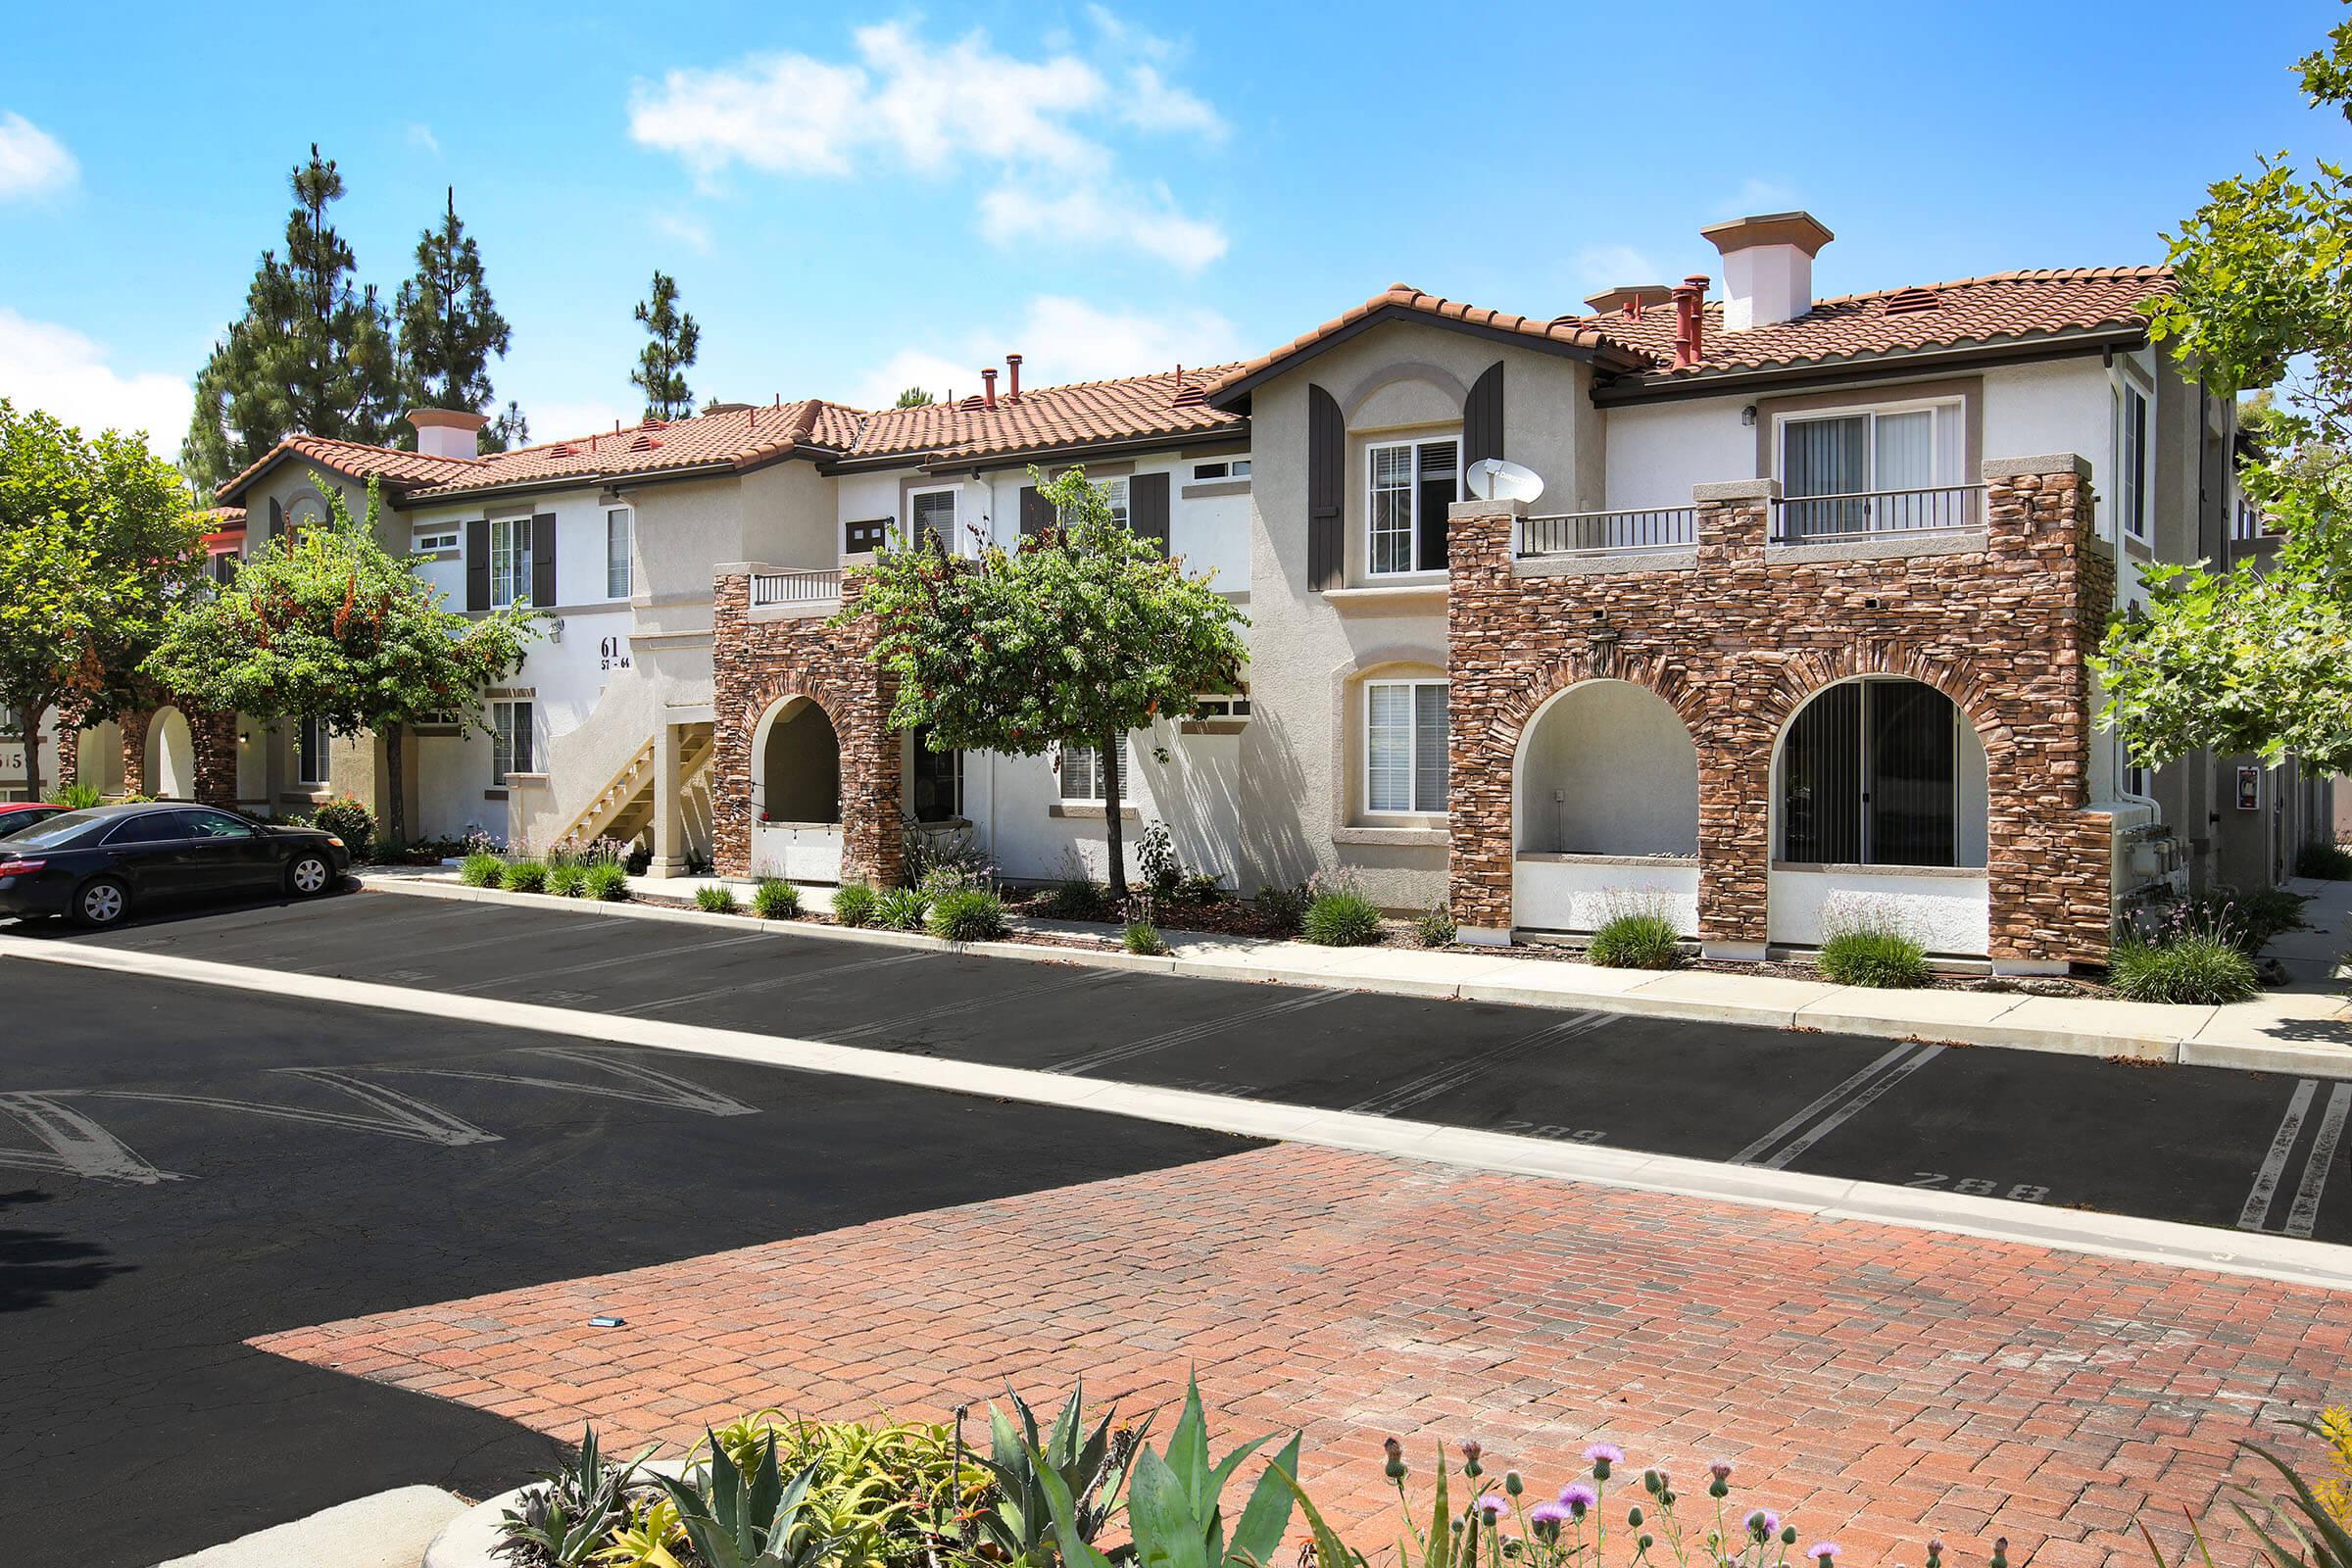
94, 865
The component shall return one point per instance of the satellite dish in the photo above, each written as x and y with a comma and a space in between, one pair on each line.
1493, 480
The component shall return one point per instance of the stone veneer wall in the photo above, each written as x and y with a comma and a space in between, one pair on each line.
757, 663
213, 739
1736, 645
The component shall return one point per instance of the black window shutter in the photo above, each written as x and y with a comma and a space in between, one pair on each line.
477, 563
543, 561
1148, 507
1482, 417
277, 521
1326, 489
1037, 512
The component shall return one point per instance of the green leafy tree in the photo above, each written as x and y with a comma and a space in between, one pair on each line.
329, 626
313, 352
96, 541
915, 397
660, 372
1081, 635
2249, 661
450, 327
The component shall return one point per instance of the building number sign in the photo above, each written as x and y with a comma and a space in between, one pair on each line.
613, 654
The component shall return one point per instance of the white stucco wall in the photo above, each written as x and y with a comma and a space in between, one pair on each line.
1608, 768
1945, 914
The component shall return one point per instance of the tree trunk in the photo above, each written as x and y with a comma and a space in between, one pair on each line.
395, 824
1110, 818
33, 749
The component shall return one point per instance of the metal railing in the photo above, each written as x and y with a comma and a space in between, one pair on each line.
796, 587
1812, 520
1609, 534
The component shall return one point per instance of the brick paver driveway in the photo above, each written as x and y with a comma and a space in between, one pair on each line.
1875, 1384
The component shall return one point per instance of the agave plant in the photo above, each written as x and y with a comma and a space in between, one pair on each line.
735, 1522
2320, 1539
1175, 1503
564, 1519
1090, 1468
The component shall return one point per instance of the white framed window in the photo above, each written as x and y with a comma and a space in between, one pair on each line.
620, 528
2131, 458
510, 739
310, 751
1409, 485
304, 511
1222, 704
438, 540
510, 561
932, 515
1889, 466
1404, 746
12, 723
1081, 767
222, 566
1233, 469
1115, 496
445, 719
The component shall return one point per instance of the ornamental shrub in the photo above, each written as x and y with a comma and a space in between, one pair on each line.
854, 904
1076, 897
716, 897
350, 821
901, 910
1143, 939
2201, 968
608, 883
967, 914
527, 876
2328, 863
774, 899
1877, 957
1436, 929
1284, 908
77, 797
565, 880
1636, 939
482, 870
1341, 918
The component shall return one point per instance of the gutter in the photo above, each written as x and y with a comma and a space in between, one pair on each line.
950, 462
1874, 368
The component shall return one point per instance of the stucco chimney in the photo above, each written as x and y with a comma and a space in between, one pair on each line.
1689, 335
446, 432
1013, 367
1767, 266
987, 380
1631, 298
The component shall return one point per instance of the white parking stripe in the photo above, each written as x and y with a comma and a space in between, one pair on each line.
1453, 1074
2304, 1216
2256, 1215
76, 1145
1853, 1085
1853, 1105
1126, 1050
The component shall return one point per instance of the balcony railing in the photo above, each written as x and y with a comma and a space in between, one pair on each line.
1609, 534
1825, 520
796, 587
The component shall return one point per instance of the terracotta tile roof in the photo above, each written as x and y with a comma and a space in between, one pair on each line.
221, 520
1969, 312
1169, 402
1564, 331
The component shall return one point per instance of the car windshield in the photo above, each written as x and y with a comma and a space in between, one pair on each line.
58, 831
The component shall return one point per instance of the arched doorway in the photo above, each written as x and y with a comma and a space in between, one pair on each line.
170, 755
796, 792
1879, 814
98, 758
1605, 815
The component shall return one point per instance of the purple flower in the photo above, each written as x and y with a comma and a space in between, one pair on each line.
1824, 1551
1494, 1505
1721, 1469
1763, 1524
1605, 1453
1577, 1497
1546, 1518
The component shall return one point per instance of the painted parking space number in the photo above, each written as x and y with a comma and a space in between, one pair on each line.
1977, 1187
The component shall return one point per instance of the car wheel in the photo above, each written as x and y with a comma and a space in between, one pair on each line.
101, 902
309, 876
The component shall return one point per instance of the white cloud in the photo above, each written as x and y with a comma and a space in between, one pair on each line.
1757, 194
32, 162
1060, 339
422, 137
1101, 217
1600, 266
44, 365
687, 231
903, 102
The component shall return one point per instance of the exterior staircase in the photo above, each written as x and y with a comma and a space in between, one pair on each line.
623, 809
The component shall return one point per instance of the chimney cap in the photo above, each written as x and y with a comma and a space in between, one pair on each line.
464, 420
1800, 229
1628, 296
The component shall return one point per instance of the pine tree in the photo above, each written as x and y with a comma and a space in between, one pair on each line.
449, 327
915, 397
313, 352
660, 371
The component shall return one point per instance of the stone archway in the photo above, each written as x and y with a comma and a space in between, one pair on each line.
1605, 790
170, 770
796, 792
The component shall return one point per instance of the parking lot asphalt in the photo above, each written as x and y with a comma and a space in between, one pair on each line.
184, 1166
2218, 1147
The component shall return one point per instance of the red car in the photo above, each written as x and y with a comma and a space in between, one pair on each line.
17, 816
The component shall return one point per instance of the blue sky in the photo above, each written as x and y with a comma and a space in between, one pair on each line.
853, 199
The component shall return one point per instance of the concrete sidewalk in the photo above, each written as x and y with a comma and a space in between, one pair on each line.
2305, 1027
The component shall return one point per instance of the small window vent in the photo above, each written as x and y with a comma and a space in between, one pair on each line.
1191, 396
564, 450
1910, 301
645, 443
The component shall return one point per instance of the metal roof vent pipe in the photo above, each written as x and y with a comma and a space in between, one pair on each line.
1013, 368
1689, 295
987, 380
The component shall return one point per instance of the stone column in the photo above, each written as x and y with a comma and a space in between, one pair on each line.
1734, 741
735, 713
1485, 681
134, 727
669, 828
215, 743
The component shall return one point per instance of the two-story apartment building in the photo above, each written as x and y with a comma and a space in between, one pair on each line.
1795, 622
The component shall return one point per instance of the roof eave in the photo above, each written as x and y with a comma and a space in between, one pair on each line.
1608, 354
1856, 366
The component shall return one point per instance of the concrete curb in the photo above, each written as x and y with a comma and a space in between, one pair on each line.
2079, 1027
389, 1530
2166, 1242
